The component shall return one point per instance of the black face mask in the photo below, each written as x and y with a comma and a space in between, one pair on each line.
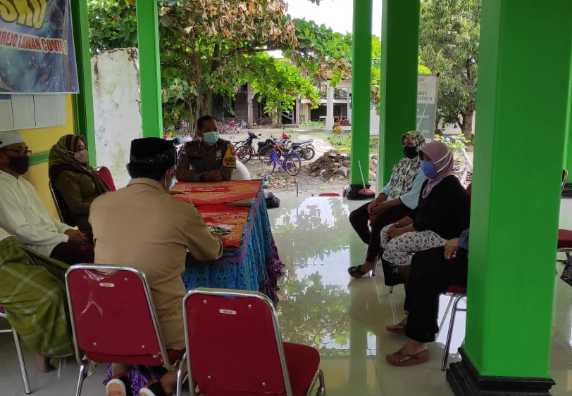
410, 152
20, 165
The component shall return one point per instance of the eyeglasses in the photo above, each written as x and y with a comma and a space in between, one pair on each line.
22, 151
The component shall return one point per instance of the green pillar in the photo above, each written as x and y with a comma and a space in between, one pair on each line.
361, 91
150, 68
83, 102
568, 144
399, 59
522, 106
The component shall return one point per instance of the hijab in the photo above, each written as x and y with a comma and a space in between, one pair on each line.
404, 172
442, 158
62, 159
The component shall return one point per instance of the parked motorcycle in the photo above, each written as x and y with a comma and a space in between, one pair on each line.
305, 149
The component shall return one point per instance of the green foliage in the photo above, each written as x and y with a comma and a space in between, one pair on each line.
454, 142
278, 83
449, 41
321, 53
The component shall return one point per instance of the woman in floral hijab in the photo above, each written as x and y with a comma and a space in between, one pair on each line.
398, 199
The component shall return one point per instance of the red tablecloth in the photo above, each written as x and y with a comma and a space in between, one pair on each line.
216, 202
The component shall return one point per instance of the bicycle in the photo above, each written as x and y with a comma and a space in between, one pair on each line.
289, 161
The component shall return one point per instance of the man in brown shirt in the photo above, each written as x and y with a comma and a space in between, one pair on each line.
208, 158
144, 227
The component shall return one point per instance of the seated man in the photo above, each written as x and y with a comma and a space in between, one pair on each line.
32, 292
208, 158
23, 215
144, 227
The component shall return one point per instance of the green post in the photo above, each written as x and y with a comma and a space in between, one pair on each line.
399, 59
568, 143
516, 197
83, 102
150, 68
361, 92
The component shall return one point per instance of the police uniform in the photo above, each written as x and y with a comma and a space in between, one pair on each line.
199, 161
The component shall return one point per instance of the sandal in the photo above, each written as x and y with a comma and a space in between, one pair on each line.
357, 272
402, 359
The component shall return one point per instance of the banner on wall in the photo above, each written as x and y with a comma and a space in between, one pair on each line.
427, 90
37, 52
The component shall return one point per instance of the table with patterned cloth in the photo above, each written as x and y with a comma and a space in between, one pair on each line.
250, 260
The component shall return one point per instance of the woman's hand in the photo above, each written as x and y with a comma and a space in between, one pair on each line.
451, 247
395, 231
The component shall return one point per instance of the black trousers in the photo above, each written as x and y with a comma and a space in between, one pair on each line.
74, 253
431, 275
359, 219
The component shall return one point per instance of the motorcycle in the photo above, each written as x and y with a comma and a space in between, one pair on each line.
244, 149
304, 149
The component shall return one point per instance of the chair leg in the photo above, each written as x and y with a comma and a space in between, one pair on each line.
446, 312
21, 362
81, 377
450, 333
181, 375
322, 388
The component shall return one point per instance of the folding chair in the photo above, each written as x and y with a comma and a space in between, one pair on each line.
456, 294
21, 362
235, 348
114, 321
60, 206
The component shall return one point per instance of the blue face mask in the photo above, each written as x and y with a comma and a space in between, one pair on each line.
429, 169
210, 138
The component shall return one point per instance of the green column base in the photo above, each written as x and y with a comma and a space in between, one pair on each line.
465, 380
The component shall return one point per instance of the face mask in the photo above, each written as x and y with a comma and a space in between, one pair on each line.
20, 165
429, 169
410, 152
210, 138
81, 157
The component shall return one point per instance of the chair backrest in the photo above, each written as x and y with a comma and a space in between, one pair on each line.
234, 344
105, 175
60, 205
113, 317
564, 179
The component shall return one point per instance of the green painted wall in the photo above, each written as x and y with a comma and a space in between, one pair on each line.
522, 106
149, 67
399, 58
361, 91
83, 103
568, 144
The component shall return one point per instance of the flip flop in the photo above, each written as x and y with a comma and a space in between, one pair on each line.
357, 272
115, 387
402, 359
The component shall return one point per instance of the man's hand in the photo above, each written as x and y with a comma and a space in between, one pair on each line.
76, 236
451, 247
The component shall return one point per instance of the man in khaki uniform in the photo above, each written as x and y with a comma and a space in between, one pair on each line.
208, 158
144, 227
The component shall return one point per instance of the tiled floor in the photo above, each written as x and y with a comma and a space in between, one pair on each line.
321, 307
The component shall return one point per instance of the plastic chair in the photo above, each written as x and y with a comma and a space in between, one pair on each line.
235, 348
113, 319
105, 175
456, 294
21, 361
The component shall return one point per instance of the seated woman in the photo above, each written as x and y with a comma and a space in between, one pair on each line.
32, 292
432, 273
397, 200
442, 214
75, 182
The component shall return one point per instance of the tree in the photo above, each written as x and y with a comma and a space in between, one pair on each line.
449, 41
207, 47
321, 53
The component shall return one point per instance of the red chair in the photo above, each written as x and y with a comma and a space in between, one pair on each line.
21, 362
114, 320
455, 294
105, 175
235, 348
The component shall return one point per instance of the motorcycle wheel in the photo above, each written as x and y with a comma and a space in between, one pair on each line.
308, 153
